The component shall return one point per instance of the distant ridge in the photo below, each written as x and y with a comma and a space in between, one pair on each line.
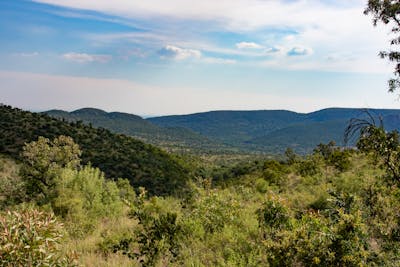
261, 131
273, 131
174, 138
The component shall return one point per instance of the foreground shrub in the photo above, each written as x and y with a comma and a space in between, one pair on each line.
31, 238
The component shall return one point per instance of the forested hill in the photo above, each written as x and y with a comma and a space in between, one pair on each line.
116, 154
173, 138
274, 130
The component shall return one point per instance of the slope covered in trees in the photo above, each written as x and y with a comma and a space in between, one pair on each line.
116, 154
170, 138
272, 131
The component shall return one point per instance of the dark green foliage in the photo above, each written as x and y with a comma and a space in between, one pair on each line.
274, 172
273, 215
171, 138
291, 156
226, 174
309, 166
159, 236
271, 131
115, 154
158, 233
386, 11
334, 156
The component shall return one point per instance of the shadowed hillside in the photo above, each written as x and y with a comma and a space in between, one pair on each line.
171, 138
116, 154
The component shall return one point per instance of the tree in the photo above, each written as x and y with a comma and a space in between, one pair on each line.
43, 161
388, 12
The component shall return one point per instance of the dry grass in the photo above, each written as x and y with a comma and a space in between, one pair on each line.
88, 250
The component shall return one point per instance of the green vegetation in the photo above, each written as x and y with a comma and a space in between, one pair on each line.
115, 154
174, 139
333, 207
272, 131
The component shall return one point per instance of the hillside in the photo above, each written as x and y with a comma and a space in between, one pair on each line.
116, 154
171, 138
273, 131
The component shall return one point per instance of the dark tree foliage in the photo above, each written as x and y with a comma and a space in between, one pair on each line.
374, 139
116, 154
388, 12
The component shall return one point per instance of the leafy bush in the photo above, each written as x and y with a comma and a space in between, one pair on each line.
273, 215
83, 196
31, 238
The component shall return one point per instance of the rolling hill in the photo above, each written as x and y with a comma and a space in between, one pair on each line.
261, 131
273, 131
117, 155
172, 138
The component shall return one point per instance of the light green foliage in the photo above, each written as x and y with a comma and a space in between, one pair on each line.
43, 160
31, 238
261, 185
214, 209
126, 191
83, 196
80, 195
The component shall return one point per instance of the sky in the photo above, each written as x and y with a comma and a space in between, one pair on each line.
159, 57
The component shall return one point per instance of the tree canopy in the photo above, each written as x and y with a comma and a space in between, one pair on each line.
388, 12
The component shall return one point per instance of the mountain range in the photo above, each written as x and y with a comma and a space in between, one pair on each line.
265, 131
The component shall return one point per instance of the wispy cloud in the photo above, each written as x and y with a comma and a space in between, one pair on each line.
174, 52
86, 58
248, 45
273, 50
300, 51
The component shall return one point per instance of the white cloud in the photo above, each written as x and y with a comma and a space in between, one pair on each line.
248, 45
86, 58
178, 53
326, 26
300, 51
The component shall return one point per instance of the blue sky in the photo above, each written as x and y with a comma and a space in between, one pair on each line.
158, 57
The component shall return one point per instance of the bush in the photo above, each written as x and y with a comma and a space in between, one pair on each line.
83, 197
31, 238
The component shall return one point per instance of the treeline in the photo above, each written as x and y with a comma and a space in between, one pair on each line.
116, 154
